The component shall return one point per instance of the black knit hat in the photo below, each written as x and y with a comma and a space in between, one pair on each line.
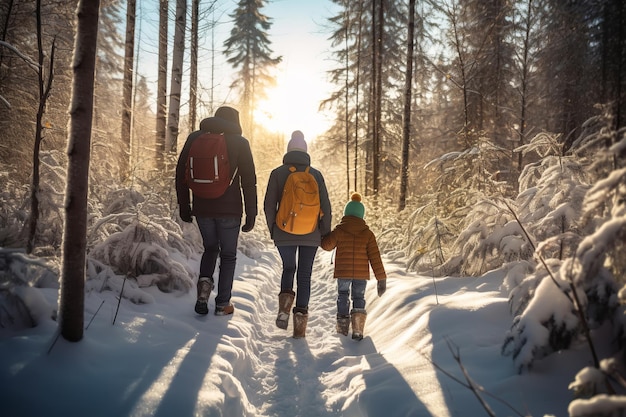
229, 114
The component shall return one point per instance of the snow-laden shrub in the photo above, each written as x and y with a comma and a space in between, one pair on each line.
103, 278
417, 237
21, 301
551, 195
15, 207
522, 280
464, 187
13, 211
548, 324
144, 251
137, 238
489, 238
593, 396
589, 257
429, 248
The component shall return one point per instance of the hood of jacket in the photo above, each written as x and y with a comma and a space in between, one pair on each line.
353, 225
219, 125
297, 158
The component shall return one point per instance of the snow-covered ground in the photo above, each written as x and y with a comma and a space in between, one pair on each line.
161, 359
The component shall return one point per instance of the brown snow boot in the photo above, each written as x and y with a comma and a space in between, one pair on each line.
285, 301
358, 323
205, 286
343, 324
300, 319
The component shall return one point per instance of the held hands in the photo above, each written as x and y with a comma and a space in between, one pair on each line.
249, 225
381, 287
185, 213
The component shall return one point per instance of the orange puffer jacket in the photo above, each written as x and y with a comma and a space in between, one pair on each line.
356, 250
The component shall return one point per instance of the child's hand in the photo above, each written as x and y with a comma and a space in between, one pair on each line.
381, 287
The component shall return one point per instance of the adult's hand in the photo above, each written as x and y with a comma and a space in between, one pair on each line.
248, 225
185, 213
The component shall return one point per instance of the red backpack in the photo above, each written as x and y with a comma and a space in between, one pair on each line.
207, 171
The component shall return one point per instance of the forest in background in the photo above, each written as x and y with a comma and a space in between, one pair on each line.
491, 138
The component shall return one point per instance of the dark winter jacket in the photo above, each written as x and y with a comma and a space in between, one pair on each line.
240, 157
274, 192
356, 250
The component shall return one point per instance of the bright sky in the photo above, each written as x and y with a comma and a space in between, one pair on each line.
297, 34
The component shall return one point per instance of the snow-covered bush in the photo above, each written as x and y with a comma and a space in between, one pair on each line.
584, 252
21, 301
490, 236
464, 185
549, 322
16, 204
13, 211
136, 240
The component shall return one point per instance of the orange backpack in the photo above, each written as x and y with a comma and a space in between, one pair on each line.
299, 209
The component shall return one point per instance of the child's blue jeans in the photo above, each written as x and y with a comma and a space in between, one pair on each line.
344, 288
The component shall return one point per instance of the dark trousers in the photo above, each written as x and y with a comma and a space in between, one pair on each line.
219, 237
301, 269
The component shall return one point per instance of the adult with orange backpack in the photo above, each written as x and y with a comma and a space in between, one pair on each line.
217, 150
296, 229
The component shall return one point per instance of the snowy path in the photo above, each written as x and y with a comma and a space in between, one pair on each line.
159, 358
324, 374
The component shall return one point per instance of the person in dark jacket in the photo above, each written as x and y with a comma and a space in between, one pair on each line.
219, 219
356, 251
296, 251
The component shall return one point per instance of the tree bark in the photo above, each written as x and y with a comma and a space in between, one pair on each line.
72, 295
406, 125
44, 93
378, 95
176, 77
193, 71
161, 109
127, 89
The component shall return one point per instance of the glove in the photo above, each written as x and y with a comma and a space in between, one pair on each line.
248, 225
185, 213
381, 287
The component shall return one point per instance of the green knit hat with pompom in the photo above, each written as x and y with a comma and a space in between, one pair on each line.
354, 207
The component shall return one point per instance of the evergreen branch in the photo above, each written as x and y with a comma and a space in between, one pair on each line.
575, 301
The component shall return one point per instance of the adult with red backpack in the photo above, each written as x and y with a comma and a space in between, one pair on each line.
216, 165
298, 214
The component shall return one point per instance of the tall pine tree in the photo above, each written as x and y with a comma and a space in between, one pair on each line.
249, 52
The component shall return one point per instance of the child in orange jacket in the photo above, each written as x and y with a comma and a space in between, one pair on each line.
356, 251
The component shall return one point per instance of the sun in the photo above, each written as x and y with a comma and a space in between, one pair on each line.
293, 104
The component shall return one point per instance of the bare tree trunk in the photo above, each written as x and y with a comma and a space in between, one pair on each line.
161, 109
378, 95
44, 92
463, 69
176, 77
72, 294
524, 83
129, 57
357, 89
193, 74
347, 97
371, 112
5, 26
406, 127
